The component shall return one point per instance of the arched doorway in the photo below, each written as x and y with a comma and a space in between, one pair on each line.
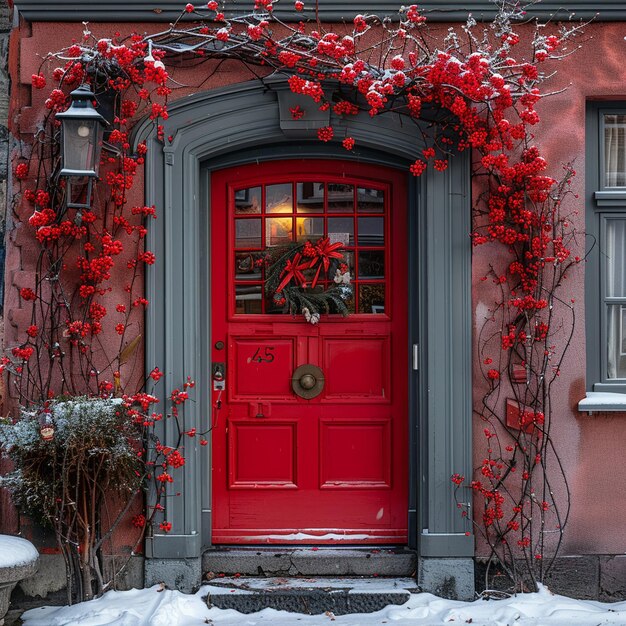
240, 125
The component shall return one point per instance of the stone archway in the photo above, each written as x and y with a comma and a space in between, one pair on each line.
243, 123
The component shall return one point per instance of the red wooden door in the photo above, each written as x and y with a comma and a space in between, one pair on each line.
333, 468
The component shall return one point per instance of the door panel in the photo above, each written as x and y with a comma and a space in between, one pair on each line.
262, 367
355, 454
262, 455
366, 358
333, 468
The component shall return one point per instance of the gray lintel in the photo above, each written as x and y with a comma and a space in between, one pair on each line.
329, 10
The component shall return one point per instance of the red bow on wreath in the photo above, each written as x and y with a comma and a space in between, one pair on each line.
293, 269
325, 251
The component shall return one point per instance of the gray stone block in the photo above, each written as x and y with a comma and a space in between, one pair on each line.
5, 17
50, 577
612, 578
127, 572
19, 561
310, 562
354, 562
180, 574
310, 602
4, 151
575, 576
3, 204
13, 618
5, 83
447, 578
311, 596
247, 562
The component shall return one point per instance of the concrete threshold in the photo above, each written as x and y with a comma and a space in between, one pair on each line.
312, 596
309, 561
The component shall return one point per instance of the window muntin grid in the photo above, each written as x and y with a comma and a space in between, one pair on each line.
275, 214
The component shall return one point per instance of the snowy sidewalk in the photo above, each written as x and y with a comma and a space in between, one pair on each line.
157, 607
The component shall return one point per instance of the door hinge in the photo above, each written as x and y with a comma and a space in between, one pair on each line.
416, 357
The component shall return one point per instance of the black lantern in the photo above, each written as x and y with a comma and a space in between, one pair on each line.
81, 134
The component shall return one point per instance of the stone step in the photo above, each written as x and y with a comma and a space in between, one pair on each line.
310, 561
311, 596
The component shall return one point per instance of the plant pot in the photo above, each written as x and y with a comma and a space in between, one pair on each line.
19, 559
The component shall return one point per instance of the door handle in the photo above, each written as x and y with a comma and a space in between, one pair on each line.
307, 381
218, 374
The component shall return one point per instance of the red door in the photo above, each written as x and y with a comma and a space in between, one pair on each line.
334, 467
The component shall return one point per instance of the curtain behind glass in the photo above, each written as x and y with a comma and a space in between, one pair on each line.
615, 150
615, 277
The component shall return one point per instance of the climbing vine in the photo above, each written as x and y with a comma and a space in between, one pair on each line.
473, 88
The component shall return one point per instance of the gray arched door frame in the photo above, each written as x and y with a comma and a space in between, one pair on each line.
242, 123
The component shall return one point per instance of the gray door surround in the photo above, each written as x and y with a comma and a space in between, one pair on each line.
241, 124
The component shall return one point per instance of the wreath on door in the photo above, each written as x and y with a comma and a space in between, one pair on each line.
296, 276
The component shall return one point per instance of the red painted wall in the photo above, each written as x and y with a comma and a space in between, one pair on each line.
591, 447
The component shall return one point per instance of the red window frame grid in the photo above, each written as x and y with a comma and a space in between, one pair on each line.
294, 179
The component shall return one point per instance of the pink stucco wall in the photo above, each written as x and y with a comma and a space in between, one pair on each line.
591, 447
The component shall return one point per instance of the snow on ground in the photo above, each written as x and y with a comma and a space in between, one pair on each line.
15, 551
157, 607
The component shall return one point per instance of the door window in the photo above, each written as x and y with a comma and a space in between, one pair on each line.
267, 216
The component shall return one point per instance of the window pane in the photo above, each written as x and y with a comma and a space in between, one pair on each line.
616, 337
279, 198
310, 197
248, 233
340, 198
350, 303
615, 150
372, 264
371, 231
248, 299
372, 298
309, 228
347, 259
248, 200
267, 216
370, 200
615, 257
341, 229
247, 267
278, 231
273, 307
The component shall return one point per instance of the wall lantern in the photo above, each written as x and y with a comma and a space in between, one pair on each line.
81, 139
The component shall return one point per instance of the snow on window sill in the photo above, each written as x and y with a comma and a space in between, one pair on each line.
602, 401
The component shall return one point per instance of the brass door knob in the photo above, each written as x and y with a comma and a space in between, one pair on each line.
307, 381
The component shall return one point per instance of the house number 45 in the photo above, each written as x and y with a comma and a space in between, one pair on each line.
267, 356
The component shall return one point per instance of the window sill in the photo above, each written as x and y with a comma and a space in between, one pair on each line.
616, 198
602, 401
